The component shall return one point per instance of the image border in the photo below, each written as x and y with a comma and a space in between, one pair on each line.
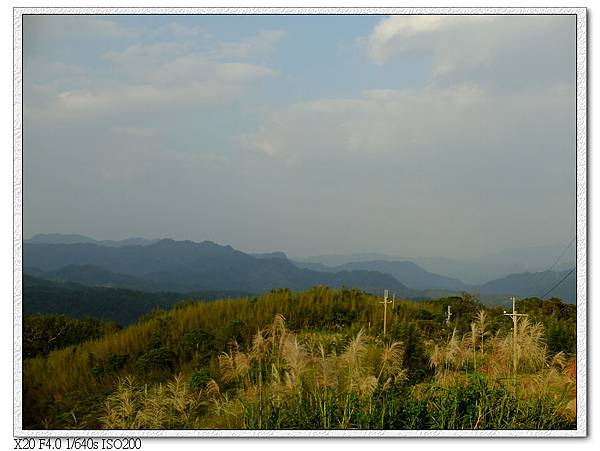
581, 221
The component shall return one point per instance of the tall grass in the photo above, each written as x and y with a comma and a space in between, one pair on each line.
464, 396
163, 406
280, 383
313, 360
275, 383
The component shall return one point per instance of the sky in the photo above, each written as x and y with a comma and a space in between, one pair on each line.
407, 135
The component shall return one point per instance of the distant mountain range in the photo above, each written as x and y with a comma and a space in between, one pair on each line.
187, 266
59, 238
409, 273
270, 255
472, 272
534, 285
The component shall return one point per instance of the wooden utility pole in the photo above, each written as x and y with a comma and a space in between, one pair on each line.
448, 316
515, 318
385, 304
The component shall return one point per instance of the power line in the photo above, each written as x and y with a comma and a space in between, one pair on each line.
555, 286
545, 273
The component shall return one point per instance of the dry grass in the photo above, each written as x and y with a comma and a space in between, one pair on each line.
162, 406
314, 378
281, 381
283, 372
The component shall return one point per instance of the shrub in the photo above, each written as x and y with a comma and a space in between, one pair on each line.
113, 364
156, 362
200, 379
199, 344
116, 362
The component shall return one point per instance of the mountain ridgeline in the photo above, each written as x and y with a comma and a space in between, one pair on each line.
472, 271
207, 269
529, 284
60, 238
186, 266
408, 272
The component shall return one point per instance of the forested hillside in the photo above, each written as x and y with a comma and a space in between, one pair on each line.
119, 305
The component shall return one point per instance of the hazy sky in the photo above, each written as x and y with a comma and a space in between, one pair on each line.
409, 135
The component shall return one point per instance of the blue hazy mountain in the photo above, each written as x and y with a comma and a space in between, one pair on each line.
59, 238
186, 266
407, 272
471, 271
534, 284
270, 255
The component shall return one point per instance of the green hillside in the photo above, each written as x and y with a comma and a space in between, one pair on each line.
119, 305
316, 359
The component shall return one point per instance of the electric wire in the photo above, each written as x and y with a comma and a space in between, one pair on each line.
558, 284
545, 273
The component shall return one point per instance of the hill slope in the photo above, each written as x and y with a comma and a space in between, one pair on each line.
222, 364
113, 304
534, 284
120, 305
91, 275
409, 273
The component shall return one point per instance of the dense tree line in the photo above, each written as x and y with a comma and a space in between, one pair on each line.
120, 305
45, 333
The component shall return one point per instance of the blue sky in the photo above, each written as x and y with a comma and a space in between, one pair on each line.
410, 135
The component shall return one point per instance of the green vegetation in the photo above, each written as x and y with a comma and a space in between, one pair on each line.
314, 360
121, 305
45, 333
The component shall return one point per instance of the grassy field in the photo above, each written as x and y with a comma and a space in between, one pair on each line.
314, 360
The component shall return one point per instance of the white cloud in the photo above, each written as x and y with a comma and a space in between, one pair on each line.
500, 52
242, 72
261, 44
42, 78
164, 74
131, 97
81, 27
454, 158
172, 65
179, 30
385, 167
146, 56
378, 121
392, 35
